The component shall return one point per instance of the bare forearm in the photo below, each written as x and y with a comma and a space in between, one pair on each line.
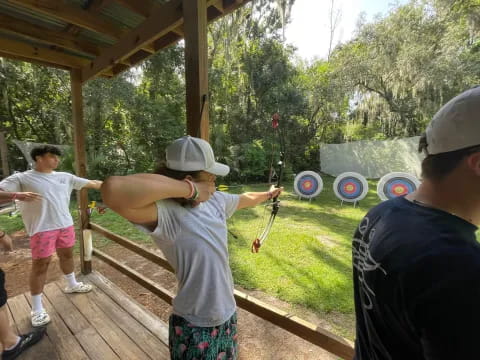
94, 184
139, 190
250, 199
6, 196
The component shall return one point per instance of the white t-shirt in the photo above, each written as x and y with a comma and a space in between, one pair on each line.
194, 241
52, 212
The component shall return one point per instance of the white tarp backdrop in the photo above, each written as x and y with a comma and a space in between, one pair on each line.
372, 159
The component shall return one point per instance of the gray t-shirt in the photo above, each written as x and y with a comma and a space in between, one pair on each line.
194, 241
52, 212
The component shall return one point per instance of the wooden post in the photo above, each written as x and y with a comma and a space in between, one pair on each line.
80, 159
196, 66
3, 155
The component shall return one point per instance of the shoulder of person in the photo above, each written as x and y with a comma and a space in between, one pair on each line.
219, 196
452, 258
19, 175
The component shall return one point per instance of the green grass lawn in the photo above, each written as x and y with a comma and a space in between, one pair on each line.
306, 260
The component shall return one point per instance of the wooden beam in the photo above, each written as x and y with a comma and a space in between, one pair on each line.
143, 8
213, 13
231, 5
218, 4
161, 292
138, 57
27, 51
32, 31
179, 31
130, 245
196, 67
80, 160
166, 40
71, 14
302, 328
33, 61
162, 20
98, 5
4, 155
149, 48
141, 55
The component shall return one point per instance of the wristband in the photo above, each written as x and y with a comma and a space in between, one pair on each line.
14, 196
192, 188
269, 195
194, 194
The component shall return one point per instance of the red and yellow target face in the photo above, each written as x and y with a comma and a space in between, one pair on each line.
349, 188
399, 190
308, 184
396, 184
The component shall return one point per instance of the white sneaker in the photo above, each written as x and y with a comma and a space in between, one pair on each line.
40, 318
79, 288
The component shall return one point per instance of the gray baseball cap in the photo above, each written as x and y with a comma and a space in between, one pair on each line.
456, 125
193, 154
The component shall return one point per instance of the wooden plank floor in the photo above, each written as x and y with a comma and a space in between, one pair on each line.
103, 324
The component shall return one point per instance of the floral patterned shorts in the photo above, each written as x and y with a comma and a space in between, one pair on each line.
43, 244
190, 342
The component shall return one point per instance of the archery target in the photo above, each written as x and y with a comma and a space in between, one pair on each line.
350, 187
308, 184
396, 184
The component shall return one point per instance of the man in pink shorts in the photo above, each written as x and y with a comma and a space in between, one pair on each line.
44, 197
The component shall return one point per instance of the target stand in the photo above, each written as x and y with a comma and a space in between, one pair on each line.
308, 184
396, 184
350, 187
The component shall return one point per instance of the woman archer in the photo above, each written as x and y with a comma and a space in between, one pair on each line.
179, 207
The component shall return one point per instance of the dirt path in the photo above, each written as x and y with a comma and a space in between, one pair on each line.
259, 339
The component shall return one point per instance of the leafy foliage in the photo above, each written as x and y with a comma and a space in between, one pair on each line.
386, 82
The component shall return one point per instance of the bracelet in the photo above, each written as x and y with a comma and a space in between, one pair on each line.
192, 188
194, 194
269, 195
14, 196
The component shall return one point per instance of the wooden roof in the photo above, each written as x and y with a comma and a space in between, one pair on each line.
99, 37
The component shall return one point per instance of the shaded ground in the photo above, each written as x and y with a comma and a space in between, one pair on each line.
258, 338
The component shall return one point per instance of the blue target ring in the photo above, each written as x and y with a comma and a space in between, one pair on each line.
350, 187
397, 184
308, 184
398, 187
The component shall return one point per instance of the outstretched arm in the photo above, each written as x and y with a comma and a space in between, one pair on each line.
250, 199
94, 184
7, 196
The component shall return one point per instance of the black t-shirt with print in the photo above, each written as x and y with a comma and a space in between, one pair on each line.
416, 273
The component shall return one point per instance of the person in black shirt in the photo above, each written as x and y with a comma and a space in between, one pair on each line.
416, 260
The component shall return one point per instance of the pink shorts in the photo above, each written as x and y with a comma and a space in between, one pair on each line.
44, 244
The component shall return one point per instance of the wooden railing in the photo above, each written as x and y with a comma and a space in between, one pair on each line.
303, 329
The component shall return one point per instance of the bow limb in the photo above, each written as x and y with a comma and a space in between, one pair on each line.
257, 243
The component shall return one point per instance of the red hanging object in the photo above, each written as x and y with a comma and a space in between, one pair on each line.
275, 118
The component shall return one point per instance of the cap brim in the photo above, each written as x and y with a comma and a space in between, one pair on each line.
219, 169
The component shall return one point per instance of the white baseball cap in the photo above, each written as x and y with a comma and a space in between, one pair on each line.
193, 154
456, 125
